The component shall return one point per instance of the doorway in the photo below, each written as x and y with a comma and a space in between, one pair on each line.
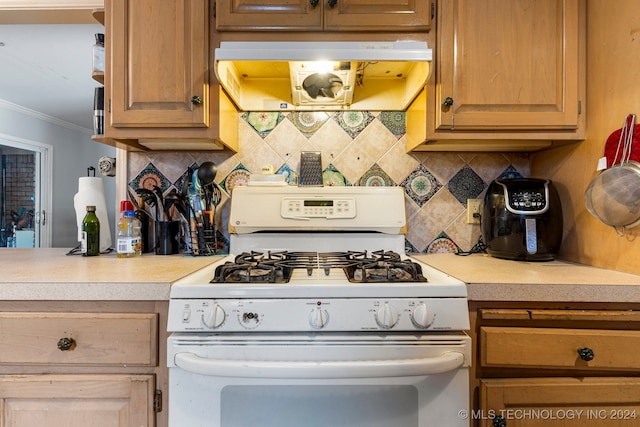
25, 188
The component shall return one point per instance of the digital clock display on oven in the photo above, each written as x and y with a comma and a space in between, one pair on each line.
319, 203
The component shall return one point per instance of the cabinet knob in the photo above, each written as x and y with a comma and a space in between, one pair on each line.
196, 100
65, 344
499, 421
448, 101
314, 3
586, 354
332, 2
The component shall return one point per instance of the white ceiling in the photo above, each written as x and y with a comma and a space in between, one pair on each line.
47, 69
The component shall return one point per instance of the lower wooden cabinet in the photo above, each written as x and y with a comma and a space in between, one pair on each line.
559, 402
83, 363
541, 365
77, 400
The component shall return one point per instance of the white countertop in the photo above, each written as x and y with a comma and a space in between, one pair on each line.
494, 279
49, 274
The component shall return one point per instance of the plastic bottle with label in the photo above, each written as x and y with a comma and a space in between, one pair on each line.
129, 240
90, 243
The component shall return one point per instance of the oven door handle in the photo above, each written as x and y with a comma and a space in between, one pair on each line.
446, 362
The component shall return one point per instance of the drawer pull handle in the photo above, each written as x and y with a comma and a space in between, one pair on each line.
65, 344
448, 102
586, 354
196, 100
499, 421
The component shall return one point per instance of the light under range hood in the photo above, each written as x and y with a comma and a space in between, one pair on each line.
271, 76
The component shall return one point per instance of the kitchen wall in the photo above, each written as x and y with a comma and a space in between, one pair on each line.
358, 148
613, 91
73, 152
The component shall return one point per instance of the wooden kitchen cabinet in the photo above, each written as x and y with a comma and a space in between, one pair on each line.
77, 400
160, 88
561, 402
555, 364
81, 363
505, 70
323, 15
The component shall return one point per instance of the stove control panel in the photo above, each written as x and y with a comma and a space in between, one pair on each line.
293, 207
309, 315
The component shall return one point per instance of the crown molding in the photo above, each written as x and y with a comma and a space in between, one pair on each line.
44, 117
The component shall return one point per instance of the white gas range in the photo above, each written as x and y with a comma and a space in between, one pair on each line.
318, 293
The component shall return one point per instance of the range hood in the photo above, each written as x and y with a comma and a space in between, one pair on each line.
271, 76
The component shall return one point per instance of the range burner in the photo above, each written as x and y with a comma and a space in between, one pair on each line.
359, 267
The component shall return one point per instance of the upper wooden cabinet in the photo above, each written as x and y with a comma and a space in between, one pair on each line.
160, 91
504, 70
323, 15
160, 53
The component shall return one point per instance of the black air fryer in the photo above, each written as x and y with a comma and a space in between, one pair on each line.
522, 219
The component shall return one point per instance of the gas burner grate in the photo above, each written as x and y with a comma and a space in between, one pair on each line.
359, 267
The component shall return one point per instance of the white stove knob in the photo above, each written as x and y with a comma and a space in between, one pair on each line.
318, 318
387, 316
422, 317
213, 316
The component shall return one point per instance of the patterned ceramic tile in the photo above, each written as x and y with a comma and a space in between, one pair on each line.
397, 163
442, 165
263, 122
377, 139
285, 141
366, 149
466, 184
308, 122
148, 177
238, 177
375, 177
353, 122
331, 140
409, 248
421, 185
520, 161
488, 165
442, 245
186, 175
395, 121
510, 172
433, 219
479, 246
353, 161
331, 177
463, 234
291, 176
257, 154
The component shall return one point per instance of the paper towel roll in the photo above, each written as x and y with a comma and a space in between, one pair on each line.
91, 193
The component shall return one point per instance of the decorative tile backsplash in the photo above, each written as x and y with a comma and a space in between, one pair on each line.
358, 148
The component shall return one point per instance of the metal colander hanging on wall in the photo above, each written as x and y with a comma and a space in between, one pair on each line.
613, 196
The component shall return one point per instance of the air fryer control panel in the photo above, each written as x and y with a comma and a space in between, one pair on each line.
527, 200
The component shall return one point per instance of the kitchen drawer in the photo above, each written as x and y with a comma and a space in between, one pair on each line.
119, 339
558, 348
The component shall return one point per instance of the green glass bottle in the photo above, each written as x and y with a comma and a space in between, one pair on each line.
90, 233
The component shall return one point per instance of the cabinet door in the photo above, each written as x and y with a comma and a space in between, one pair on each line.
372, 15
560, 402
159, 63
248, 15
77, 400
507, 64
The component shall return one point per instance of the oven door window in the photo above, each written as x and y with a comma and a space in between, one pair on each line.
320, 405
